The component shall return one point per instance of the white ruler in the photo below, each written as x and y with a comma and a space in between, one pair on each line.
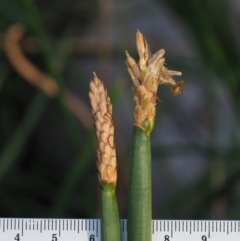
19, 229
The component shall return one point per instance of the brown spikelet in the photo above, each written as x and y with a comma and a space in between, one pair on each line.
146, 75
102, 115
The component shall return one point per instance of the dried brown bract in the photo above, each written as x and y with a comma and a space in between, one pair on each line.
146, 75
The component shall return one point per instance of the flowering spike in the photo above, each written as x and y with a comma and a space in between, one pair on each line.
102, 115
146, 76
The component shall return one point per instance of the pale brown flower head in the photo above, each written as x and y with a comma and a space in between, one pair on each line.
146, 76
102, 115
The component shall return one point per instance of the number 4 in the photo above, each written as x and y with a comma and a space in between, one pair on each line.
17, 238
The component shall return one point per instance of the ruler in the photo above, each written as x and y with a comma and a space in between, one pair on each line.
20, 229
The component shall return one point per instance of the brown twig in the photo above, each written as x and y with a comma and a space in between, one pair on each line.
37, 78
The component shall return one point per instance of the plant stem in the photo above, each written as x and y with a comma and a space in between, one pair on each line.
140, 188
48, 56
9, 155
74, 176
106, 160
110, 226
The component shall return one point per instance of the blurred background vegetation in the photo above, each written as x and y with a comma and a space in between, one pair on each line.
47, 144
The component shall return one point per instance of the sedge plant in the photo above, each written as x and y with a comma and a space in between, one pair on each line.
146, 76
106, 160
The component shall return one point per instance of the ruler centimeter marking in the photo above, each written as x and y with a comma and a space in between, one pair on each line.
27, 229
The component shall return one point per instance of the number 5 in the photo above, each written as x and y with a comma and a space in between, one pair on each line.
54, 237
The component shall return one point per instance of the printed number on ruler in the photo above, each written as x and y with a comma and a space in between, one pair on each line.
17, 229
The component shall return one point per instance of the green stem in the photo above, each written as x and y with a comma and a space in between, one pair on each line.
10, 155
140, 188
110, 223
35, 22
48, 56
73, 177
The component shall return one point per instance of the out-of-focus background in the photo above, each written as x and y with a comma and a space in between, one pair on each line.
48, 51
